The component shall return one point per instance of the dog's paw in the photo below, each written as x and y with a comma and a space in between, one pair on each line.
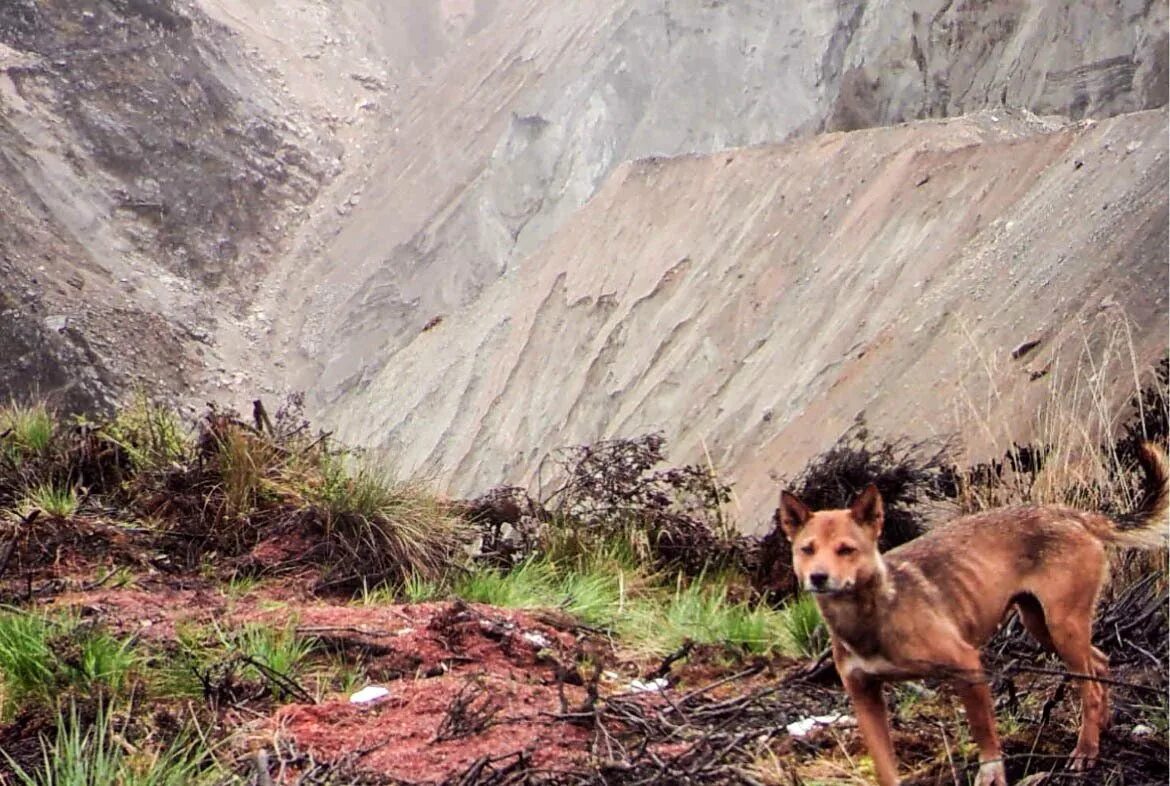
1082, 759
991, 773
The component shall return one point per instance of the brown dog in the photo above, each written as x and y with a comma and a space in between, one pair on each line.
925, 608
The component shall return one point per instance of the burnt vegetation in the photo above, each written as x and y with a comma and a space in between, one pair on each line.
142, 498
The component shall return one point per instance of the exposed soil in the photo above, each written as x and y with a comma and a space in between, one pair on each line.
484, 695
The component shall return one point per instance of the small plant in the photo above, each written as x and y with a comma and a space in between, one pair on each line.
150, 434
57, 501
419, 589
806, 631
703, 612
277, 650
41, 657
26, 430
247, 465
527, 586
93, 754
378, 595
241, 585
27, 662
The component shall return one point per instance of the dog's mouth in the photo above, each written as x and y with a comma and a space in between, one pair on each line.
829, 591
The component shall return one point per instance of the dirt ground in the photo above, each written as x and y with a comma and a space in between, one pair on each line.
480, 695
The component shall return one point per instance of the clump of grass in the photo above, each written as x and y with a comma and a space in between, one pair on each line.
378, 530
527, 586
280, 650
248, 472
42, 657
150, 433
594, 593
53, 500
27, 662
27, 429
420, 589
703, 612
92, 754
804, 627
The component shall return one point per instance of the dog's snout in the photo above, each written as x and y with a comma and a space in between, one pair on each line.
818, 580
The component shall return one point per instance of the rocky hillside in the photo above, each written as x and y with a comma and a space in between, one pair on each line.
756, 303
218, 197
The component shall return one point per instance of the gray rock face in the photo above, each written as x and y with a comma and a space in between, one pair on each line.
142, 153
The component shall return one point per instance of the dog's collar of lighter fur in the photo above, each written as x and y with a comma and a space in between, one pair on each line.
885, 586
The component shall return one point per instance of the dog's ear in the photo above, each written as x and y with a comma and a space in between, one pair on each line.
868, 510
792, 514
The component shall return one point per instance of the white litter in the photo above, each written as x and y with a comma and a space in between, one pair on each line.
649, 686
536, 639
805, 726
368, 694
1141, 730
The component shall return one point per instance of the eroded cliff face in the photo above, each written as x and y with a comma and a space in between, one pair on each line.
517, 126
755, 304
223, 198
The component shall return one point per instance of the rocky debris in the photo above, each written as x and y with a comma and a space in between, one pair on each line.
149, 182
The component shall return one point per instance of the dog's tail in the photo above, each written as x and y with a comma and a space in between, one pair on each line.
1147, 527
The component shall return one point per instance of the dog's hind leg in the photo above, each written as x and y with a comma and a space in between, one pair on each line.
1071, 636
1032, 616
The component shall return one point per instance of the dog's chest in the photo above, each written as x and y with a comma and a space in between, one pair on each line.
872, 665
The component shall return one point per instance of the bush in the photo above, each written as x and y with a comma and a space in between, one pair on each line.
908, 474
672, 518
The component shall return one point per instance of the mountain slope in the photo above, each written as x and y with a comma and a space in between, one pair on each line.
755, 303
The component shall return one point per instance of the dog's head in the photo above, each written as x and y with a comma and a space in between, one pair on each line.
834, 551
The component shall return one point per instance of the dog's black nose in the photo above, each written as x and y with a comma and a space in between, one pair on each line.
818, 580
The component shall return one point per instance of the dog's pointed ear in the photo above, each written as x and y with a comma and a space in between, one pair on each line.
792, 514
868, 510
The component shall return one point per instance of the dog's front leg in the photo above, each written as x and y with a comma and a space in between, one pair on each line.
976, 699
866, 694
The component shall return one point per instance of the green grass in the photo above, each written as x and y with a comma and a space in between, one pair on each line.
96, 756
420, 589
150, 434
701, 611
27, 662
806, 631
240, 586
57, 501
28, 429
383, 530
646, 616
593, 594
42, 657
279, 649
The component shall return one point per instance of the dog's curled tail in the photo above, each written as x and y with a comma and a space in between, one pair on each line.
1147, 527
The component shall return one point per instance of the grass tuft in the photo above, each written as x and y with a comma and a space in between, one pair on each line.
57, 501
94, 754
27, 430
377, 530
805, 629
42, 658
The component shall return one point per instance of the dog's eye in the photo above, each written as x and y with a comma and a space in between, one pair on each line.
807, 548
845, 551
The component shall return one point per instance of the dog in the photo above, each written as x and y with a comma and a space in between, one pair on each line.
926, 607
